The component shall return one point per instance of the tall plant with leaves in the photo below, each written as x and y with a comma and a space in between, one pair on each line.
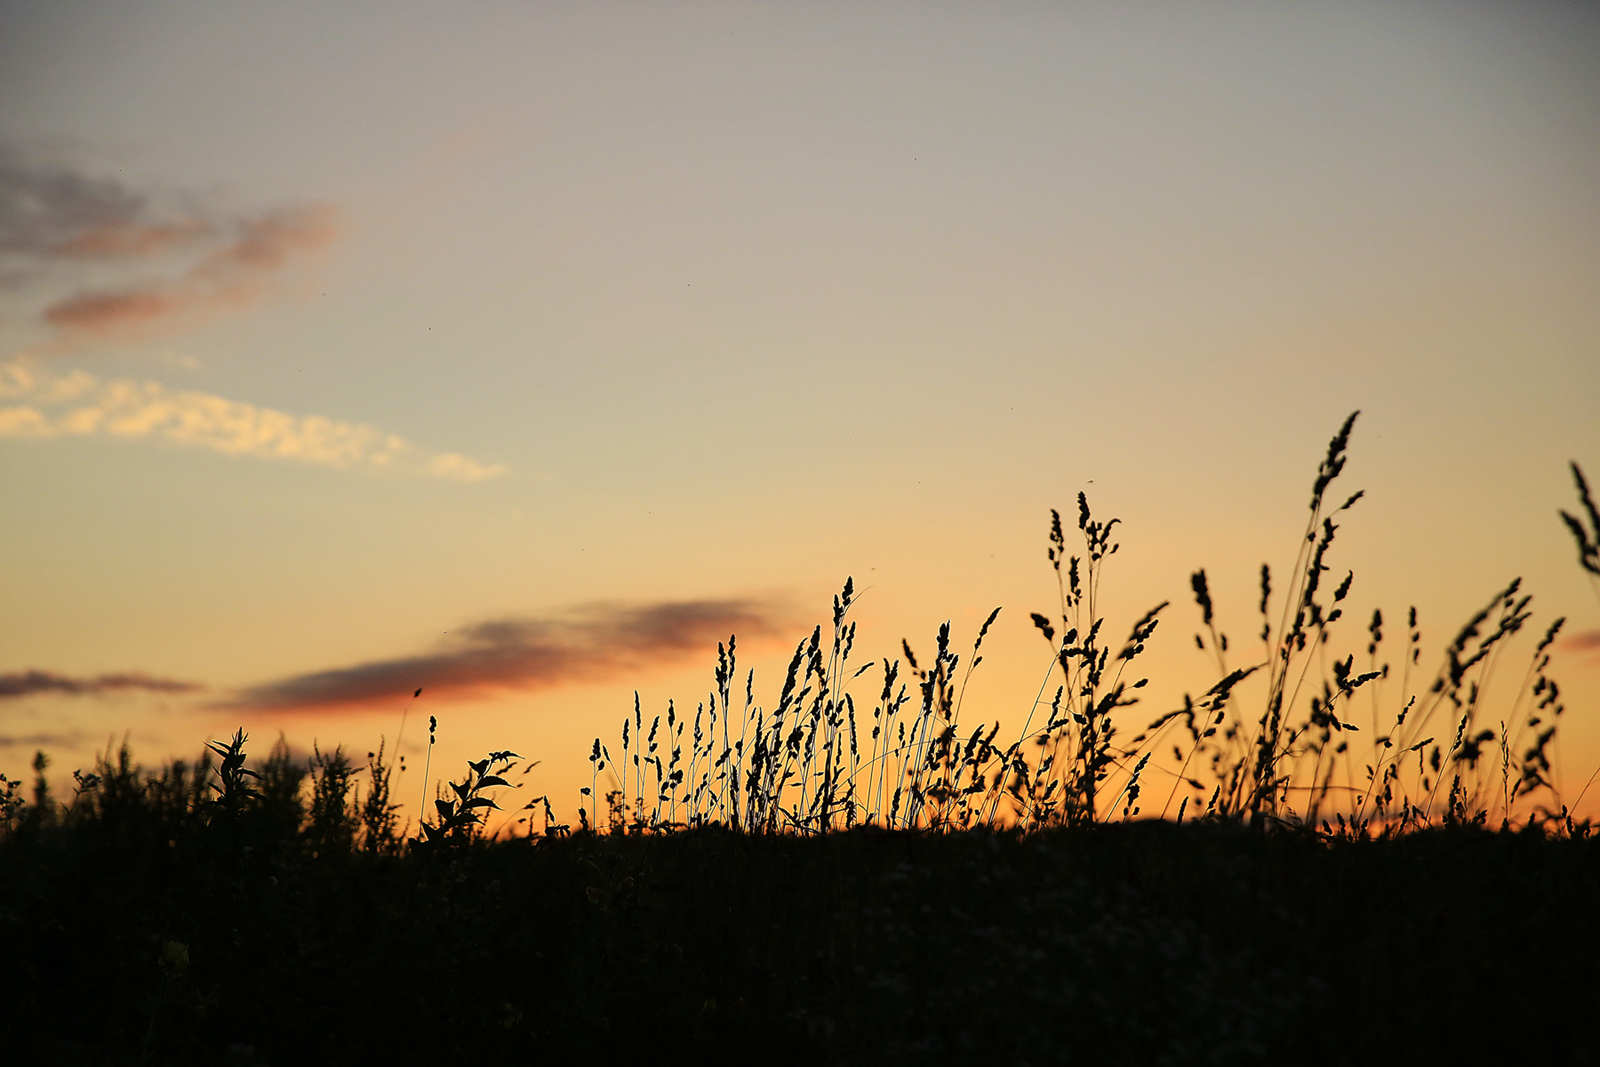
461, 816
233, 786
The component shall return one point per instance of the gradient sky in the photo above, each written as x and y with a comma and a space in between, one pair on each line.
519, 351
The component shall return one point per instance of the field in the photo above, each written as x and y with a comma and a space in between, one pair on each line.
1251, 877
1140, 943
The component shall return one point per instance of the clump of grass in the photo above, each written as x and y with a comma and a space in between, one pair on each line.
1275, 740
316, 806
333, 820
1305, 770
814, 763
377, 812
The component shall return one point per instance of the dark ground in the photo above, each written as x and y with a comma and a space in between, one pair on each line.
1144, 943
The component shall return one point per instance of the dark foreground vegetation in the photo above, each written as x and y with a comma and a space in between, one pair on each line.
135, 941
1278, 871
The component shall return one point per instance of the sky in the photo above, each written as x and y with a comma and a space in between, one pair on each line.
522, 351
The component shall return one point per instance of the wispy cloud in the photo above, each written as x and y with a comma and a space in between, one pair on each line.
232, 276
27, 683
585, 644
44, 741
195, 260
63, 224
79, 404
49, 211
1584, 641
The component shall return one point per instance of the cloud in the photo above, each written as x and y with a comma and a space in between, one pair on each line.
131, 240
234, 275
78, 404
41, 741
586, 644
106, 311
49, 212
1586, 641
27, 683
198, 261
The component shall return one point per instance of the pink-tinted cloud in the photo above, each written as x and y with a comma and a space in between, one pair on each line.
238, 273
27, 683
124, 239
1586, 641
95, 312
267, 242
192, 260
587, 644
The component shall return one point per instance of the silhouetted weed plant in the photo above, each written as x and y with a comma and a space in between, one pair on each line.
377, 811
334, 820
462, 815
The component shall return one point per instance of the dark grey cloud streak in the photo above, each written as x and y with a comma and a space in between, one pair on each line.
52, 212
71, 739
53, 216
27, 683
587, 644
43, 209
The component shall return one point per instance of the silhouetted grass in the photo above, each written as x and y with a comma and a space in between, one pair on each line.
1291, 753
822, 881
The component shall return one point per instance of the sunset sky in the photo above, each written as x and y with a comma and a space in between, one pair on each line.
522, 351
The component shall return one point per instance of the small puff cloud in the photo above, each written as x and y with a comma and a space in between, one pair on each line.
27, 683
79, 404
586, 644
